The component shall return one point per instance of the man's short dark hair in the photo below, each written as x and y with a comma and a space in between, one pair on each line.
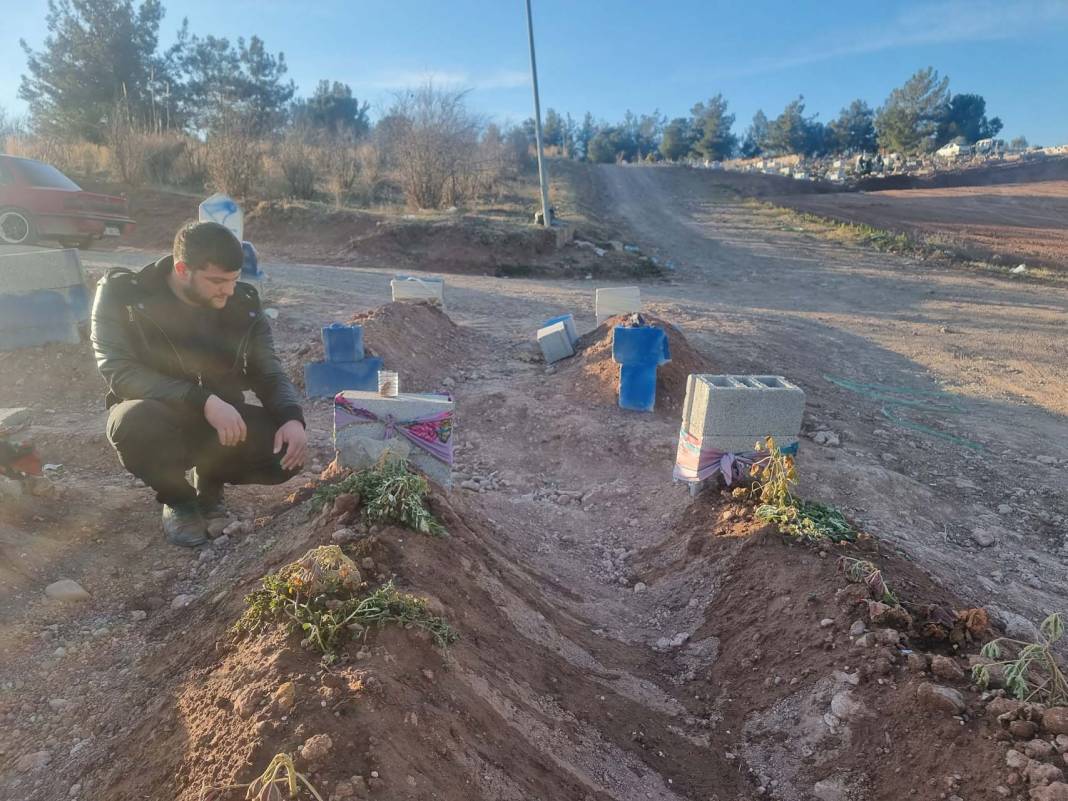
199, 244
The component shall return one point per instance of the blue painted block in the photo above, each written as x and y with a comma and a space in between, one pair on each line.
637, 387
639, 346
569, 325
250, 267
343, 343
326, 379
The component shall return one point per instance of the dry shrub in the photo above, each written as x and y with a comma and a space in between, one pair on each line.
163, 157
126, 138
297, 163
74, 158
352, 170
234, 158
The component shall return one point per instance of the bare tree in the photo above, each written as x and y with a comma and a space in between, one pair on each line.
297, 160
435, 146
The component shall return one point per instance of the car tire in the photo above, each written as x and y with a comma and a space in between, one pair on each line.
16, 227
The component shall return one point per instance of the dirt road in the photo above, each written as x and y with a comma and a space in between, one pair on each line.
565, 607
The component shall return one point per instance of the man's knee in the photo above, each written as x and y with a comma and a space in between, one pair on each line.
140, 422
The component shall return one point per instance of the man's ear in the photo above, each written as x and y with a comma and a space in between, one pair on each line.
181, 269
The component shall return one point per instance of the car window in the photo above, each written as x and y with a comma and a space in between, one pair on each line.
5, 174
45, 175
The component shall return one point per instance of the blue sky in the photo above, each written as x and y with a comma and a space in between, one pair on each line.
609, 57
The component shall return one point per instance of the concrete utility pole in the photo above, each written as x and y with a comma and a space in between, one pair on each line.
543, 178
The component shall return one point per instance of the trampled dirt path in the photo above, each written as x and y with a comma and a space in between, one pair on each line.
580, 562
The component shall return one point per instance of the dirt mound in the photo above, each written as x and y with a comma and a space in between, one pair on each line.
593, 377
417, 340
818, 692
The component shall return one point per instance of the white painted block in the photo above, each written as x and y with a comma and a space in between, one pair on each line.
617, 300
32, 270
555, 342
410, 288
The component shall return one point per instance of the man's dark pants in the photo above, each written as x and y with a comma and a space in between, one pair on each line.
159, 441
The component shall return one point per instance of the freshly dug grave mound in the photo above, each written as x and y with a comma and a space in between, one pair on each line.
832, 694
593, 377
417, 340
528, 704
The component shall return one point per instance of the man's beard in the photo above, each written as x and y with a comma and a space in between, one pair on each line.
190, 295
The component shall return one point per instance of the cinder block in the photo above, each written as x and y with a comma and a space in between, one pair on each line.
40, 269
410, 288
40, 317
617, 300
13, 419
343, 343
326, 379
569, 323
749, 406
555, 343
637, 387
640, 345
350, 429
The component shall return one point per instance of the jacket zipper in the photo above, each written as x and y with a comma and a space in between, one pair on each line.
177, 355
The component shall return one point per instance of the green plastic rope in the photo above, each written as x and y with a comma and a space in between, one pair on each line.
928, 401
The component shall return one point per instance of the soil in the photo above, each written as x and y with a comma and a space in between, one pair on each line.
417, 340
619, 640
592, 376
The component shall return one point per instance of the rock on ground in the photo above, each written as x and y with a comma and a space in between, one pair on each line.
939, 698
66, 590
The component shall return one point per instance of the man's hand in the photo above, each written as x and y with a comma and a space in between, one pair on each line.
294, 437
226, 420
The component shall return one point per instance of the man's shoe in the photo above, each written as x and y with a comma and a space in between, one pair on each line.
184, 525
210, 498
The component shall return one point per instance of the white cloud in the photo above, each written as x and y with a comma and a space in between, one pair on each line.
944, 22
461, 79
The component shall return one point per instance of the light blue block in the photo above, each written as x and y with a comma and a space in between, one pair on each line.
569, 325
250, 266
326, 379
637, 387
37, 318
640, 345
343, 343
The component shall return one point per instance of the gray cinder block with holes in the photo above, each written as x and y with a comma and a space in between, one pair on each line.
736, 407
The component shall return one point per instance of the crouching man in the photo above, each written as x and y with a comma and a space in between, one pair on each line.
177, 344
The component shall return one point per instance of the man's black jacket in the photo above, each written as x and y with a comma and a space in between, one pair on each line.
146, 348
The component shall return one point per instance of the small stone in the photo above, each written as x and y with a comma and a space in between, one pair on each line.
1002, 706
845, 707
946, 667
888, 637
34, 761
1055, 720
826, 623
826, 438
237, 528
367, 563
1054, 791
983, 538
137, 615
917, 662
317, 748
246, 703
1039, 749
857, 628
346, 502
217, 525
1004, 509
66, 590
285, 697
75, 790
1062, 742
182, 601
866, 640
343, 535
374, 774
1016, 759
221, 541
1022, 729
1003, 791
1039, 773
939, 698
640, 586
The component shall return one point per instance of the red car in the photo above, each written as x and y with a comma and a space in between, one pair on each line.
38, 202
